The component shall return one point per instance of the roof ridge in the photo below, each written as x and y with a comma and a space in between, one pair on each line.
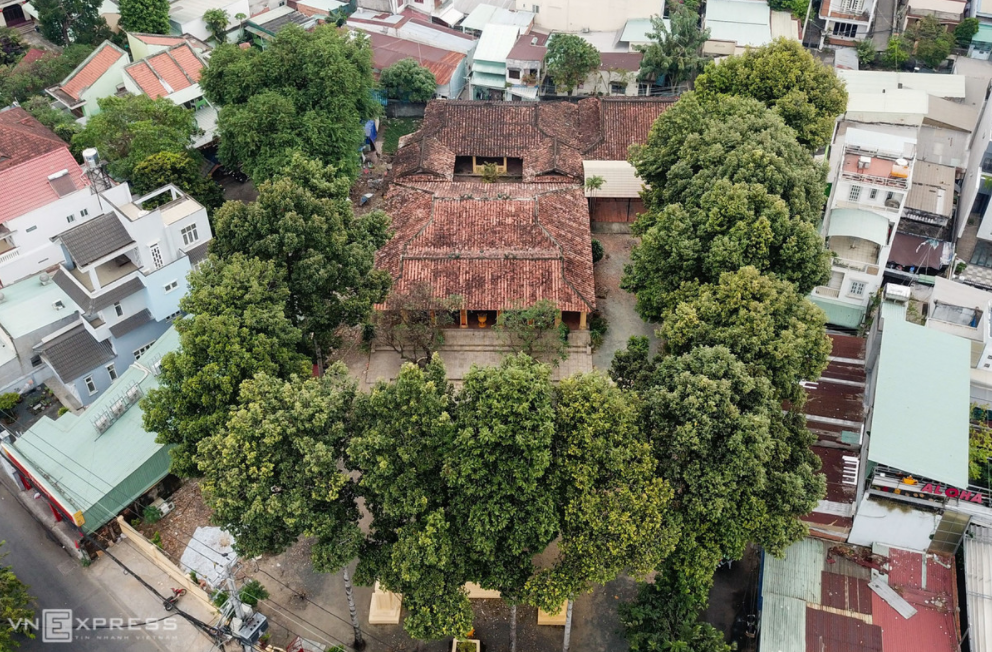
564, 258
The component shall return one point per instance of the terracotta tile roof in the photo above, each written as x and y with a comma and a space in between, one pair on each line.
552, 138
515, 245
29, 154
167, 72
98, 63
31, 56
157, 39
387, 50
526, 50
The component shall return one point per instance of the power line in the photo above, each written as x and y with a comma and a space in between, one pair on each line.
297, 618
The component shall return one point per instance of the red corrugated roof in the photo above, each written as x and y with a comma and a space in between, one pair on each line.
934, 627
99, 63
830, 632
387, 50
23, 138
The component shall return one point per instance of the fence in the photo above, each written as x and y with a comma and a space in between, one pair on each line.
155, 555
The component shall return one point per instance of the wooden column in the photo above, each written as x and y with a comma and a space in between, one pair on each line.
463, 319
582, 321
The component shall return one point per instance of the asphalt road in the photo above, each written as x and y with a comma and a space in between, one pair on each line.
58, 581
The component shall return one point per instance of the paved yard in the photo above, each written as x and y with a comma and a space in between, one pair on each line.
616, 304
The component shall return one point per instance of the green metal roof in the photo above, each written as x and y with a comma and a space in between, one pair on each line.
856, 223
28, 305
488, 80
787, 585
984, 34
845, 315
922, 397
96, 474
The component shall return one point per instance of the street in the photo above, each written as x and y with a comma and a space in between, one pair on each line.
58, 581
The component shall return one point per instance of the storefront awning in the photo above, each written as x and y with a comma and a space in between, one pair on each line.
488, 81
857, 223
911, 251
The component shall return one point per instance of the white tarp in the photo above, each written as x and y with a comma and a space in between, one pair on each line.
209, 553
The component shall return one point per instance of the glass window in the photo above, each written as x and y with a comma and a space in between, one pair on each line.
90, 385
873, 193
140, 352
189, 234
84, 212
118, 309
857, 289
112, 372
855, 193
171, 285
70, 218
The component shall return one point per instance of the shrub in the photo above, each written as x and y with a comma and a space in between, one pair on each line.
63, 410
252, 592
151, 515
597, 251
597, 329
8, 401
219, 598
157, 539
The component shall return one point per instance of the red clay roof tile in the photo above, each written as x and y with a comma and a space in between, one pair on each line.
99, 63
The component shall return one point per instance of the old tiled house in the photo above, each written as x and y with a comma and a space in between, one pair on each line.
527, 236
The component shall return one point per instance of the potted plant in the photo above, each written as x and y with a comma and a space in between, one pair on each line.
466, 644
529, 79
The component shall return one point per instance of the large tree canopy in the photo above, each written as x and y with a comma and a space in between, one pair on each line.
409, 81
307, 92
145, 16
237, 327
699, 141
785, 77
733, 225
303, 223
65, 22
181, 169
129, 129
15, 606
719, 440
764, 321
271, 474
21, 82
674, 53
569, 60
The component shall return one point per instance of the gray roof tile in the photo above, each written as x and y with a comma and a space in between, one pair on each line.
198, 253
136, 320
95, 239
75, 353
108, 298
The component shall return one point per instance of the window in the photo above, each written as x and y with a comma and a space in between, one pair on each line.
617, 88
189, 235
536, 9
140, 352
171, 285
854, 194
857, 289
90, 385
156, 255
873, 193
118, 309
112, 371
84, 212
70, 218
514, 74
845, 30
174, 315
36, 361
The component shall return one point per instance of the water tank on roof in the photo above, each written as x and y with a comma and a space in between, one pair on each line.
91, 158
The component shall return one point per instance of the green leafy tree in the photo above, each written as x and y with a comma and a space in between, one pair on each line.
308, 92
720, 443
665, 616
633, 367
61, 122
965, 31
236, 327
304, 224
130, 129
866, 52
897, 52
253, 592
699, 141
408, 80
181, 169
733, 225
534, 331
145, 16
15, 607
404, 431
674, 54
933, 42
12, 46
65, 22
569, 60
797, 8
20, 83
217, 21
765, 322
786, 78
612, 505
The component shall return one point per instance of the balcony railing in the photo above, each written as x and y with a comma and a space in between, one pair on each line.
8, 256
824, 291
886, 182
856, 266
867, 207
889, 480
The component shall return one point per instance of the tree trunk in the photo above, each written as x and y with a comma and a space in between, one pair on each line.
359, 643
513, 628
568, 626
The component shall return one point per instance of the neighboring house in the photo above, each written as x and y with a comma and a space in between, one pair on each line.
450, 68
411, 26
264, 26
13, 15
45, 192
486, 14
872, 175
448, 13
186, 16
98, 76
981, 43
90, 467
522, 239
144, 45
923, 243
736, 25
636, 32
525, 66
489, 66
324, 9
579, 15
126, 270
847, 21
962, 310
170, 68
948, 12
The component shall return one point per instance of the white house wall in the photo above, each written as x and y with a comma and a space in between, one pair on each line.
892, 524
972, 180
105, 86
600, 15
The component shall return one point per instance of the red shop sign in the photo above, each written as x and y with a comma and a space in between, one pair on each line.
952, 492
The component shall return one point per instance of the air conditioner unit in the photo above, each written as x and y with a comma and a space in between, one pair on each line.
864, 162
118, 408
157, 368
102, 422
133, 393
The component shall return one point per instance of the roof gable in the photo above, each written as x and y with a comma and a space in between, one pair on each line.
165, 73
92, 69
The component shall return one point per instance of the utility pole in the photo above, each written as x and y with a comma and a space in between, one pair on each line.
249, 629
